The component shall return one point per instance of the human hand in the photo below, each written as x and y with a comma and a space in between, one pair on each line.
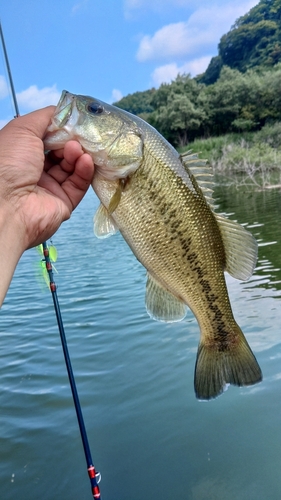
39, 192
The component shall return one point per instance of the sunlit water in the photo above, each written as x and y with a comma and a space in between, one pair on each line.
149, 436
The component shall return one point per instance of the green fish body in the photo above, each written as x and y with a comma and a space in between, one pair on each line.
162, 204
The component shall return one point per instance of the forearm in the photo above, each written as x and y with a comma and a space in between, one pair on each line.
12, 246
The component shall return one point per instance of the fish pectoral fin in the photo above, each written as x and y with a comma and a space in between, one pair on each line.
161, 304
219, 365
104, 225
241, 248
115, 200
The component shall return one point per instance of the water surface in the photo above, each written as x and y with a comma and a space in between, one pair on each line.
149, 436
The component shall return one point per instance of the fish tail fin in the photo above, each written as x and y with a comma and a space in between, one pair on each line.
225, 362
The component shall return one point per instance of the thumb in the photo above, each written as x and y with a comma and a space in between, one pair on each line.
35, 122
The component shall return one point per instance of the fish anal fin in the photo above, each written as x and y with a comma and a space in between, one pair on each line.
217, 366
104, 225
241, 248
161, 304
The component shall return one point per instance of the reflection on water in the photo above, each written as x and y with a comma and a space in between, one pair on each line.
148, 434
260, 212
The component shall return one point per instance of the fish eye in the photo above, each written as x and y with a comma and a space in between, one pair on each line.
95, 108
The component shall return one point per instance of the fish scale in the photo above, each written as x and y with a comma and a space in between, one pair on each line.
173, 241
152, 196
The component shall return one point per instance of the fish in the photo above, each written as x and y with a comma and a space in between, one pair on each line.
162, 203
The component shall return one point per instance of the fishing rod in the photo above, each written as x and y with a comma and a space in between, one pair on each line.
93, 475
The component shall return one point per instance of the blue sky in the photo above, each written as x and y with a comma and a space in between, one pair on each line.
106, 48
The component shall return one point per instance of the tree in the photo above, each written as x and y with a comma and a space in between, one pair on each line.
178, 112
242, 47
212, 73
137, 103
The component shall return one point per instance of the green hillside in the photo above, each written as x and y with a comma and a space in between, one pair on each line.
254, 40
240, 92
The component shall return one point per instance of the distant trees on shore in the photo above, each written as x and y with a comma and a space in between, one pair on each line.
186, 109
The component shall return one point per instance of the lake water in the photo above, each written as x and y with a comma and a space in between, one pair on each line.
149, 436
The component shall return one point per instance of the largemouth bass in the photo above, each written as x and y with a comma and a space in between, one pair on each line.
162, 204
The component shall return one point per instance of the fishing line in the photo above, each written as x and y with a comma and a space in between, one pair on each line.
6, 92
9, 73
93, 475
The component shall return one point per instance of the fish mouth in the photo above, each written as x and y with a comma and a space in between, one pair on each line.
63, 122
65, 98
63, 112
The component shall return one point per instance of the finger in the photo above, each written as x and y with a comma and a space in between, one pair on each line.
69, 188
76, 185
69, 154
72, 151
58, 174
35, 122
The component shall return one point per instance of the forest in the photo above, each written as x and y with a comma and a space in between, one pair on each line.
240, 91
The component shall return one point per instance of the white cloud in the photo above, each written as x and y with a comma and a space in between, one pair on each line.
4, 91
168, 72
133, 4
161, 5
116, 95
156, 5
34, 98
165, 74
188, 38
169, 41
78, 6
197, 66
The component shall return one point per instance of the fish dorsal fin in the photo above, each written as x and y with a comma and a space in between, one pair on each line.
104, 225
202, 173
241, 248
161, 304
